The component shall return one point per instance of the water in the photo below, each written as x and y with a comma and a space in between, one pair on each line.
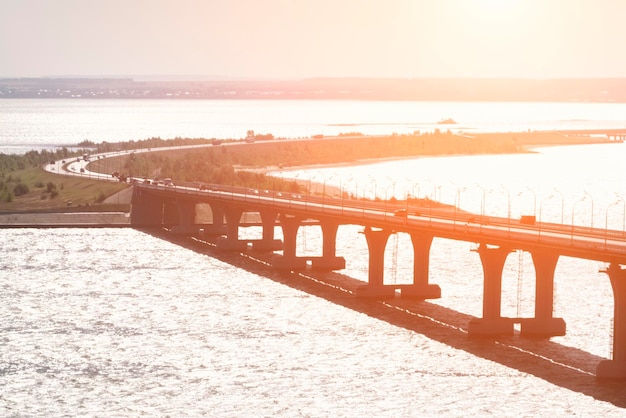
119, 323
44, 124
556, 184
116, 322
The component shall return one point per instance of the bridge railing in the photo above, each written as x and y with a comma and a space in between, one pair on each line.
396, 211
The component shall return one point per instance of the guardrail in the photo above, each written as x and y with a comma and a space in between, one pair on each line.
444, 221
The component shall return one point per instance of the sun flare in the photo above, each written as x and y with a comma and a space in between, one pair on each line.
495, 8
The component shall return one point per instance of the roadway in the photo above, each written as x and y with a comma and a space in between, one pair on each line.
445, 222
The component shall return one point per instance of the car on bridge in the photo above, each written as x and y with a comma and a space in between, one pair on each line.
401, 213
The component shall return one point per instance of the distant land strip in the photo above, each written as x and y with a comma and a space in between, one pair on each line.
388, 89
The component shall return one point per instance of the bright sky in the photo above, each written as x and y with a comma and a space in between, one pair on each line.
314, 38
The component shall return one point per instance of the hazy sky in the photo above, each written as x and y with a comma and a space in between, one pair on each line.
311, 38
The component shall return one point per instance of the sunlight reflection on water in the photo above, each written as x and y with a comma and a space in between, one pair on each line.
118, 322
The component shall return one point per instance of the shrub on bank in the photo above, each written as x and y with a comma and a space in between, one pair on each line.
20, 189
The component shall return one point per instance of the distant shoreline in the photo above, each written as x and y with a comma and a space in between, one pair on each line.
600, 90
529, 148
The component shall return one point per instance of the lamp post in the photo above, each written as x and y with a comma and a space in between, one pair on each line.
348, 189
562, 203
434, 188
363, 198
393, 188
591, 199
457, 204
296, 181
342, 192
534, 200
340, 184
541, 210
541, 205
330, 179
372, 180
582, 199
410, 184
482, 200
606, 221
508, 201
393, 191
621, 199
311, 182
310, 188
415, 195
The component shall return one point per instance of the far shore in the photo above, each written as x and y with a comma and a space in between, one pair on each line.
365, 161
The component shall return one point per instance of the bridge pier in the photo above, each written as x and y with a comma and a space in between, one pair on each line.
267, 242
375, 288
186, 222
616, 368
329, 260
170, 213
230, 241
217, 225
289, 260
491, 323
543, 324
421, 289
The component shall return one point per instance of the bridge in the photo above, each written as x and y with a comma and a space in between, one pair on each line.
615, 134
174, 207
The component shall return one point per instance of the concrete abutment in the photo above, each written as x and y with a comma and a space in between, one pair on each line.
146, 209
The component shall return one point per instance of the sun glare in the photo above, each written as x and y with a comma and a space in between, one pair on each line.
496, 8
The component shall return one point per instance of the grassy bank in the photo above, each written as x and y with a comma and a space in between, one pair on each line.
46, 191
215, 164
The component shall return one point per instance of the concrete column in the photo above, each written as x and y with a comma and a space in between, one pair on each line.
217, 214
289, 261
217, 226
421, 289
329, 261
268, 243
616, 368
186, 218
230, 241
290, 226
492, 323
146, 209
543, 324
170, 213
376, 243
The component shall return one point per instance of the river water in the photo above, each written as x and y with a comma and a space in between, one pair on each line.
33, 123
119, 322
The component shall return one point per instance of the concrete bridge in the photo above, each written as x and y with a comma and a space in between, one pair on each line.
617, 134
174, 207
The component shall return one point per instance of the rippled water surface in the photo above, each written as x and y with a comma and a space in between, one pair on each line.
115, 322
